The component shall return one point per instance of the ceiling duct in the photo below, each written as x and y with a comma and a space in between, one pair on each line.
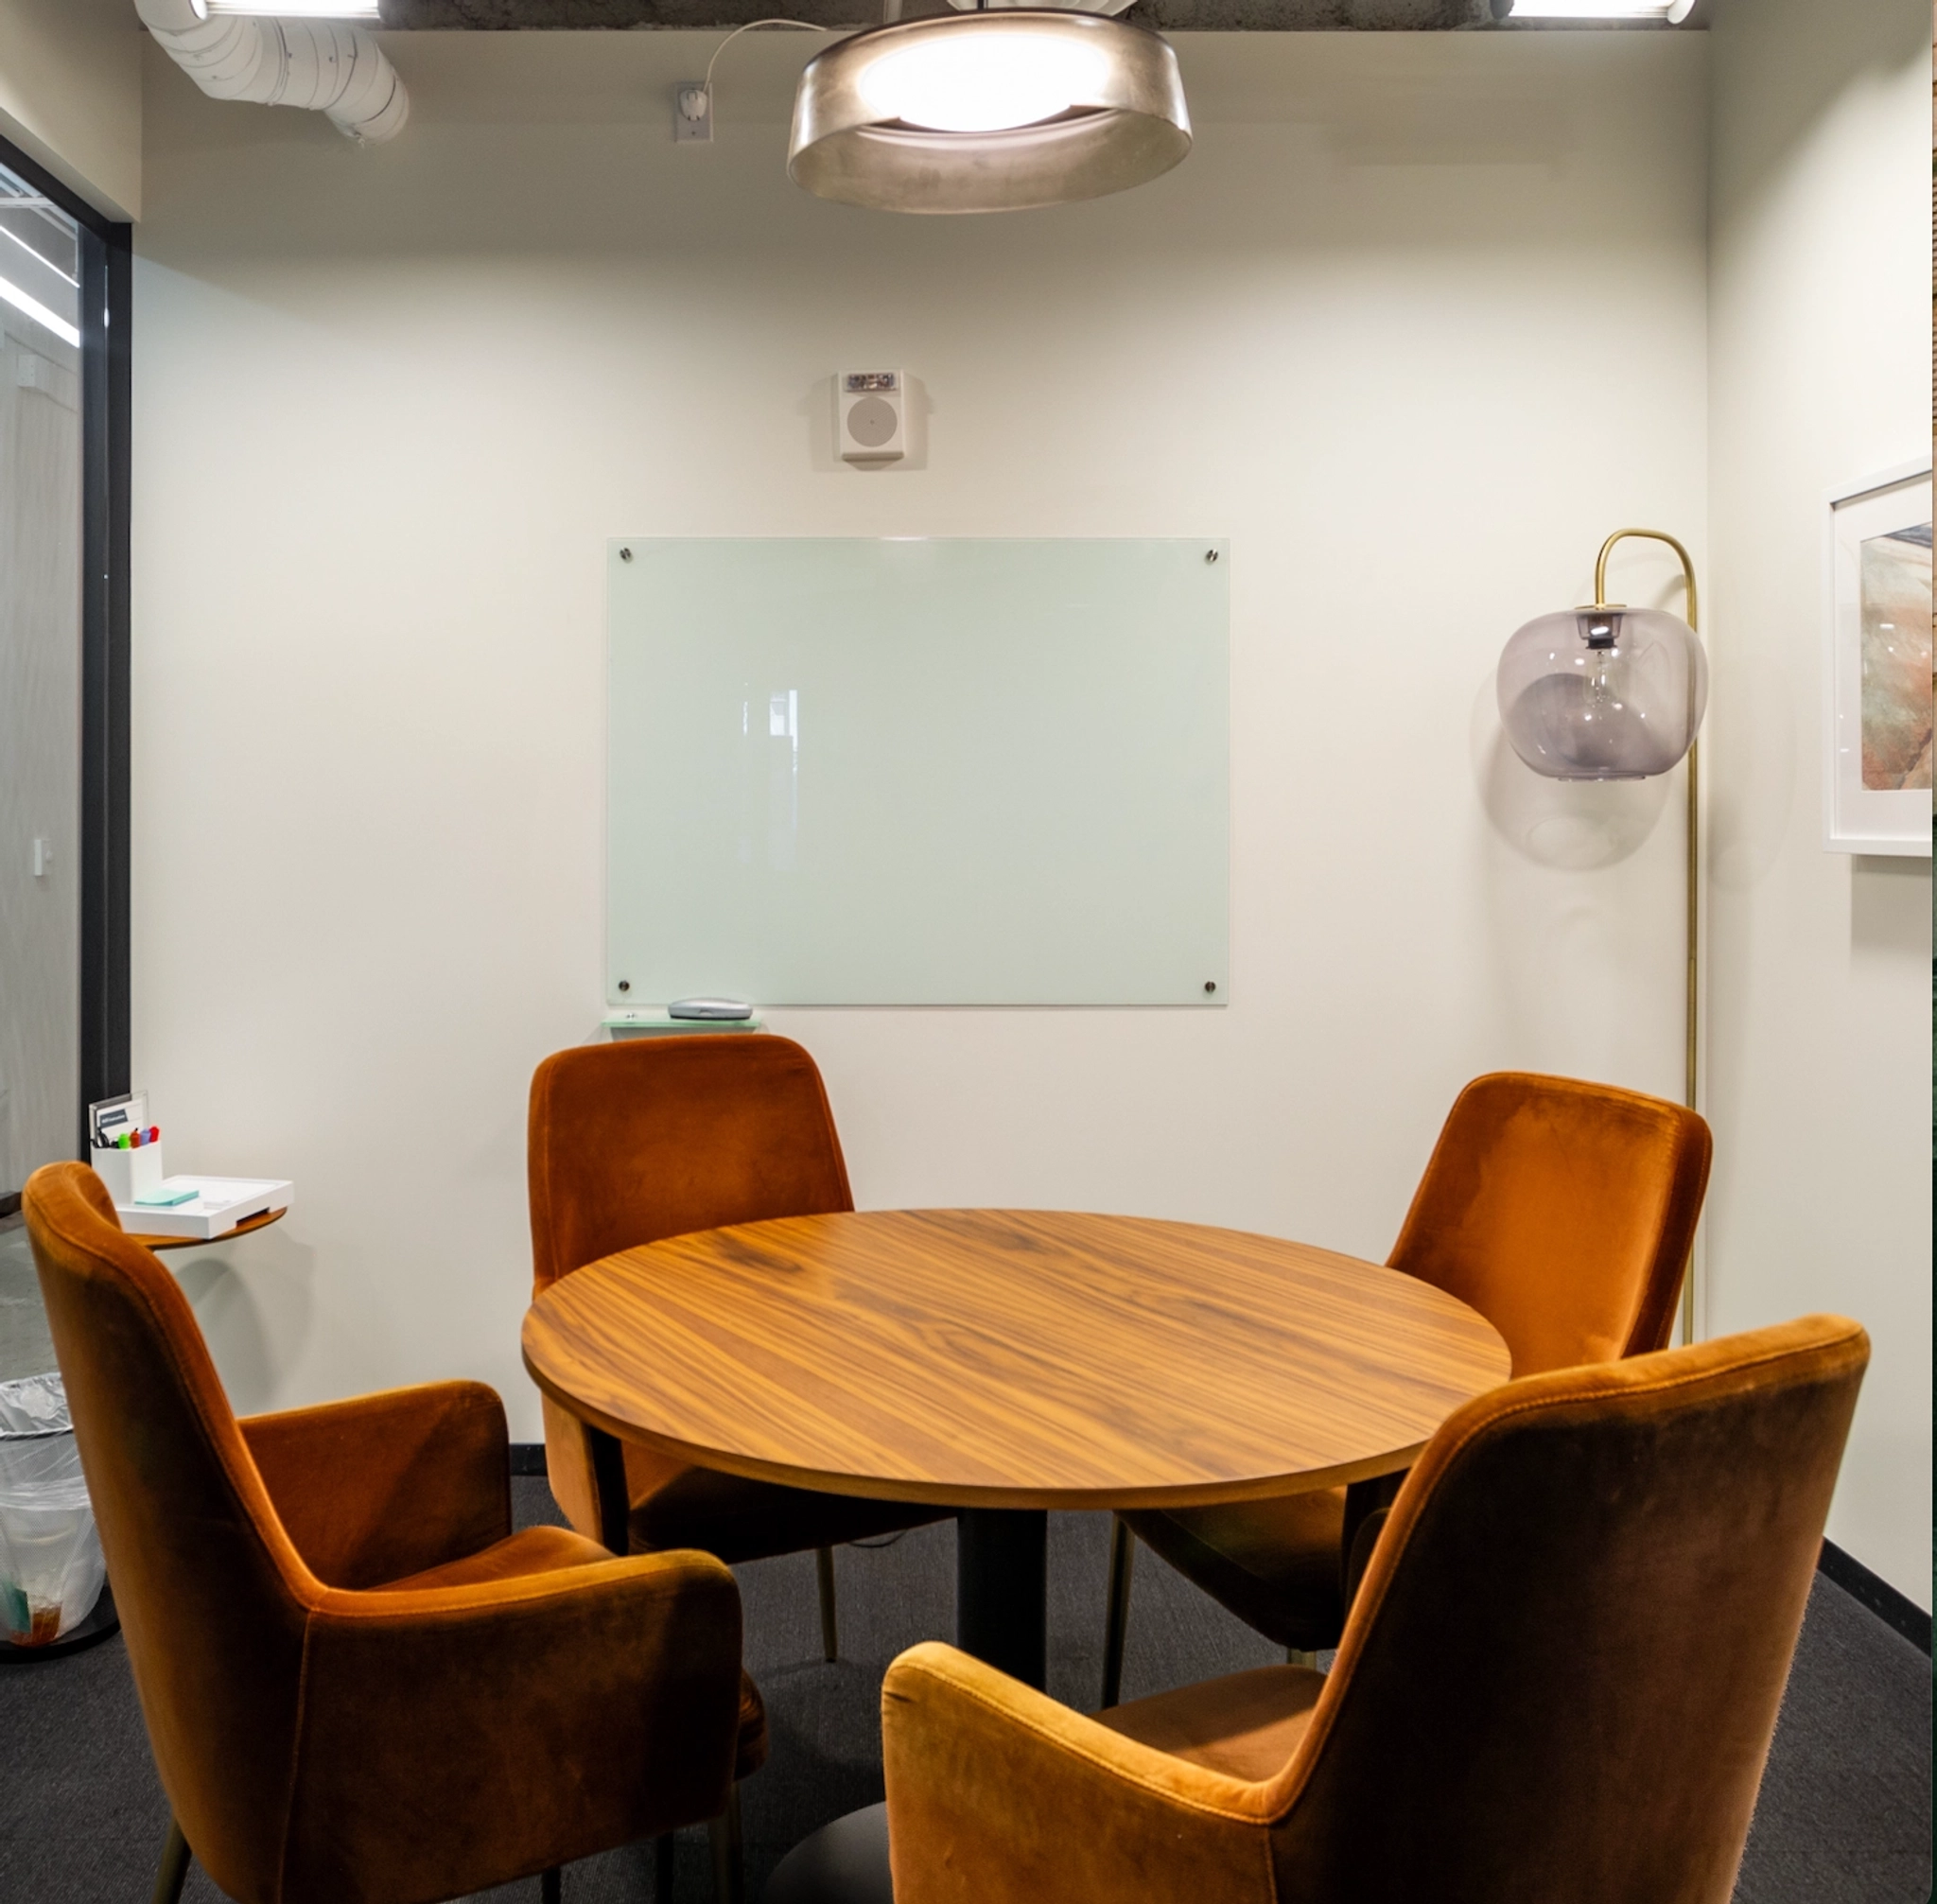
319, 66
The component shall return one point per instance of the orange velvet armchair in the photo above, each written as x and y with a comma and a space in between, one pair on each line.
1557, 1681
1563, 1213
657, 1137
358, 1683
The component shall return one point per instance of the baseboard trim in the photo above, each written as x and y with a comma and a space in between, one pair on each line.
1896, 1611
528, 1458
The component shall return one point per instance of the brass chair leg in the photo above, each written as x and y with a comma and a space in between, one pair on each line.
830, 1632
1123, 1555
663, 1848
729, 1874
1294, 1657
173, 1873
549, 1882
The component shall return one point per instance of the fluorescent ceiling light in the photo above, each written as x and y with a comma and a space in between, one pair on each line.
299, 9
38, 311
39, 258
1673, 11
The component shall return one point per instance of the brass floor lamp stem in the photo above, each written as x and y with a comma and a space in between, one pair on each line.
1692, 1003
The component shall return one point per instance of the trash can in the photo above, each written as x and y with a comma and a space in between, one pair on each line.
50, 1552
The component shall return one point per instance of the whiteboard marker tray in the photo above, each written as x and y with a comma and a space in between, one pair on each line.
218, 1204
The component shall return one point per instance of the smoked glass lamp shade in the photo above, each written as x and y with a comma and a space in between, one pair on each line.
988, 112
1606, 693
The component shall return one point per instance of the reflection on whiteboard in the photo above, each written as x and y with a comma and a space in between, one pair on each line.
919, 772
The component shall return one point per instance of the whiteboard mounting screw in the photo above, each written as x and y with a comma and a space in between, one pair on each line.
1210, 555
1209, 984
625, 984
625, 554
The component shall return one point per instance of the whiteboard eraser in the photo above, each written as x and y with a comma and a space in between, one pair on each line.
713, 1009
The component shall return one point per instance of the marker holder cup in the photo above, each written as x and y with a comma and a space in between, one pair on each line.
129, 1174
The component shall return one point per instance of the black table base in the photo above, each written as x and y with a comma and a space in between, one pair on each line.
1002, 1586
844, 1863
1002, 1590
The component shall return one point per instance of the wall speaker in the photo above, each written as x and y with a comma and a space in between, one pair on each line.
868, 419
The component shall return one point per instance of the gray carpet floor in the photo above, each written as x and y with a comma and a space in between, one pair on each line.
1844, 1816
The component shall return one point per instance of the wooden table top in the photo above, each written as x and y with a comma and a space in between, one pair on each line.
1011, 1359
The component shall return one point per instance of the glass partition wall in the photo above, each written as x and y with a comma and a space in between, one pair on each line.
63, 670
40, 680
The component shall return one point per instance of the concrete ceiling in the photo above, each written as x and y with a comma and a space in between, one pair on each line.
1178, 16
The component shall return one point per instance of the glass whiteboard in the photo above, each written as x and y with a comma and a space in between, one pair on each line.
919, 772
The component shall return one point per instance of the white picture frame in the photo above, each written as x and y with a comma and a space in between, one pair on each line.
1872, 567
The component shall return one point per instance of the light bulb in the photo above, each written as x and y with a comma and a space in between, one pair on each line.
991, 84
1601, 636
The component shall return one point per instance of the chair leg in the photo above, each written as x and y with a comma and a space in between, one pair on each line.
1294, 1657
830, 1632
730, 1874
173, 1873
549, 1885
1123, 1555
664, 1847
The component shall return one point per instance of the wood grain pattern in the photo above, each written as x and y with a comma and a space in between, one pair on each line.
261, 1221
1011, 1359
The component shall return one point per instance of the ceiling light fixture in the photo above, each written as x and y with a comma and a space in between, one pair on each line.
1670, 12
300, 9
988, 112
33, 307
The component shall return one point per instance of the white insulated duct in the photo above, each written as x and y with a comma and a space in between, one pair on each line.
318, 64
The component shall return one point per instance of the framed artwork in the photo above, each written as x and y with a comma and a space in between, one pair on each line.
1878, 688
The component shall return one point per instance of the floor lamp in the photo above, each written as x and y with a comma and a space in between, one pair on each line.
1609, 692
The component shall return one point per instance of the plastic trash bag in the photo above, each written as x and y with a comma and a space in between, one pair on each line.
51, 1568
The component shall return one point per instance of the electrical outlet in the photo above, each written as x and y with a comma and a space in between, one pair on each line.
692, 113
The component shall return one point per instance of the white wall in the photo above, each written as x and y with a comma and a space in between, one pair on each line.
1417, 324
70, 94
1820, 374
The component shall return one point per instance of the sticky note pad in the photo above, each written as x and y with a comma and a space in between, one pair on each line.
163, 1198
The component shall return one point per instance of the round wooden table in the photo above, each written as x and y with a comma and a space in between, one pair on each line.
1003, 1362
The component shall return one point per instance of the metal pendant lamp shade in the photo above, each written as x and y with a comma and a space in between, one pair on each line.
988, 112
1602, 694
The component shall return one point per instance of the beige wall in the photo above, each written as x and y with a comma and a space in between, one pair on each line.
1417, 322
1820, 374
70, 94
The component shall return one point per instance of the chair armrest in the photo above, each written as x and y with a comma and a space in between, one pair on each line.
455, 1737
384, 1486
999, 1796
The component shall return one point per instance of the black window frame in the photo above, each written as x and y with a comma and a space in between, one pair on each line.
106, 254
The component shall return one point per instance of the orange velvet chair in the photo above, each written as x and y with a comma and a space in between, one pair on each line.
1563, 1213
657, 1137
359, 1683
1557, 1681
